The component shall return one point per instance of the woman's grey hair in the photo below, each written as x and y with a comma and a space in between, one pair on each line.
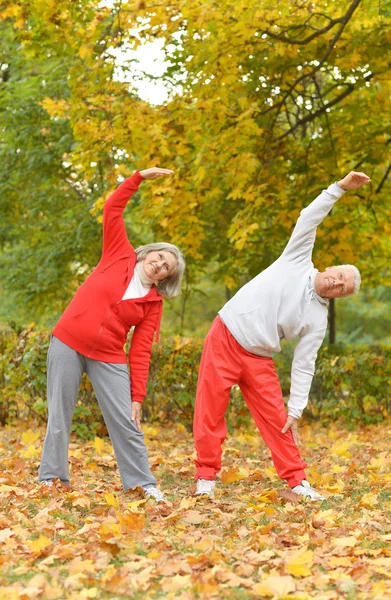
357, 278
171, 285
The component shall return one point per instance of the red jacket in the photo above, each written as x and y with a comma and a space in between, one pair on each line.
97, 321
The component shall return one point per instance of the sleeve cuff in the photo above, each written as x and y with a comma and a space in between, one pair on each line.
295, 413
137, 178
138, 399
335, 190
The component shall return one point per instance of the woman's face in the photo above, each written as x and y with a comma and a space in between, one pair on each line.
159, 264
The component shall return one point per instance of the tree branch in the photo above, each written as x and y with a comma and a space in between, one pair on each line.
307, 40
323, 109
386, 174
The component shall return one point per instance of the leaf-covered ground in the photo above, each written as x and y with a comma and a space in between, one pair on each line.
94, 541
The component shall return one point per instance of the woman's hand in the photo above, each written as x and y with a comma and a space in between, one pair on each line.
136, 414
291, 424
155, 172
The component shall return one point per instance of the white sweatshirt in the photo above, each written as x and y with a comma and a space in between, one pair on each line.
281, 303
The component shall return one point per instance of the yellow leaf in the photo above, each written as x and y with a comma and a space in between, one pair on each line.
234, 474
299, 564
204, 544
130, 522
154, 554
81, 566
150, 430
194, 517
99, 445
82, 502
111, 500
275, 586
345, 542
31, 452
178, 582
369, 500
341, 449
134, 505
340, 561
188, 502
37, 545
8, 592
271, 473
109, 530
337, 469
88, 593
30, 437
85, 51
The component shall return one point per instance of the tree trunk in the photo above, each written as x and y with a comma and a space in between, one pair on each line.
332, 322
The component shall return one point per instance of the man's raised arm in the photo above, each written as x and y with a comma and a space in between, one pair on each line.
302, 239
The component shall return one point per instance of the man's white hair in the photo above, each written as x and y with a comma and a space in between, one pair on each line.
357, 278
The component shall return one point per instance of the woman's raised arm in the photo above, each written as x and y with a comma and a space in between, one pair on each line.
115, 239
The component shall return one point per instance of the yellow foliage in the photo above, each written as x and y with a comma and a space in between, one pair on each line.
55, 108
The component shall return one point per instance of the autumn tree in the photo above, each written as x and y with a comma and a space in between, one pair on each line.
268, 104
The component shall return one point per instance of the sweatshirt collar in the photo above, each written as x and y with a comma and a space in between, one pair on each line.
311, 285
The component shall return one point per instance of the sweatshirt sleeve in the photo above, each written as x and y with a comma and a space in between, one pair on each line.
115, 238
302, 372
302, 239
141, 350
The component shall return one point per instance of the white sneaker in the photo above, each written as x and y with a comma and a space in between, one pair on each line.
151, 491
47, 483
306, 490
205, 487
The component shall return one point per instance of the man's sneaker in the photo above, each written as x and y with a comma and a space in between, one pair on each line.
205, 487
151, 491
307, 491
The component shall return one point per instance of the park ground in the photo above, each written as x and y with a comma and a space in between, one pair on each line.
254, 540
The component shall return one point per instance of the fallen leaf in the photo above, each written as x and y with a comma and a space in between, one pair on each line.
300, 562
193, 517
275, 586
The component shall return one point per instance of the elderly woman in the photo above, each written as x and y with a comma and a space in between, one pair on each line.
125, 290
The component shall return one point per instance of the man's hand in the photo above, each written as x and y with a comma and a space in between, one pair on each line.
136, 414
155, 172
291, 423
353, 181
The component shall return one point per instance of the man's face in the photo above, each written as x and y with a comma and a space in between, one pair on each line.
335, 282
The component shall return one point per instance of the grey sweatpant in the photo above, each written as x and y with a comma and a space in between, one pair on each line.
65, 368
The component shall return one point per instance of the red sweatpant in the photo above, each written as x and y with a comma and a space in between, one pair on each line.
225, 363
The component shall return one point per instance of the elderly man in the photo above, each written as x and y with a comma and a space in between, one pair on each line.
288, 300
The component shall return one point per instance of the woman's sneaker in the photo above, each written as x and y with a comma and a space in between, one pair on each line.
205, 487
305, 489
151, 491
47, 483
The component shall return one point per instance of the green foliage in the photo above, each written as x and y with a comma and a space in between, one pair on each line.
275, 103
352, 383
23, 383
